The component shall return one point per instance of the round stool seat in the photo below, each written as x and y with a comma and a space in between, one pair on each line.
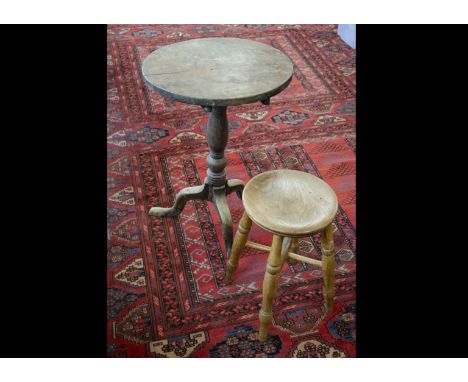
289, 202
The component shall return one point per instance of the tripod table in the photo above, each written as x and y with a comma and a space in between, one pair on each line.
216, 73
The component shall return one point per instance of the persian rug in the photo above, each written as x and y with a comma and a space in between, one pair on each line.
166, 294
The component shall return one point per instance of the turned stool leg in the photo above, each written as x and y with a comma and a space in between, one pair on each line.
270, 284
328, 267
238, 246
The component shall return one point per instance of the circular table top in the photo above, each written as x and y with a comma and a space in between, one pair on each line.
289, 202
217, 71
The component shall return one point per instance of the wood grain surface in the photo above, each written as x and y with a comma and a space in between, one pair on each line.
289, 202
217, 71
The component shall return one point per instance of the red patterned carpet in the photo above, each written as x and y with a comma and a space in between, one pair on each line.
166, 295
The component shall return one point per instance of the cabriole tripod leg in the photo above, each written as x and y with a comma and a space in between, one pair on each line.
294, 248
189, 193
220, 201
235, 185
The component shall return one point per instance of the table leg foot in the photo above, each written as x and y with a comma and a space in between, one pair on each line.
235, 185
220, 201
189, 193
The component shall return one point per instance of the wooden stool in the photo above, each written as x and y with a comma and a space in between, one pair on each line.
290, 204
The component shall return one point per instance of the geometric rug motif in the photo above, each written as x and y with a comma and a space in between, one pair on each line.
242, 342
316, 349
301, 321
182, 346
343, 326
133, 274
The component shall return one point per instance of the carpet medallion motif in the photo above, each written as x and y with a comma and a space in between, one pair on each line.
166, 294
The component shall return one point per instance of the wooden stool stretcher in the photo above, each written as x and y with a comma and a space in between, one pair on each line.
290, 204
